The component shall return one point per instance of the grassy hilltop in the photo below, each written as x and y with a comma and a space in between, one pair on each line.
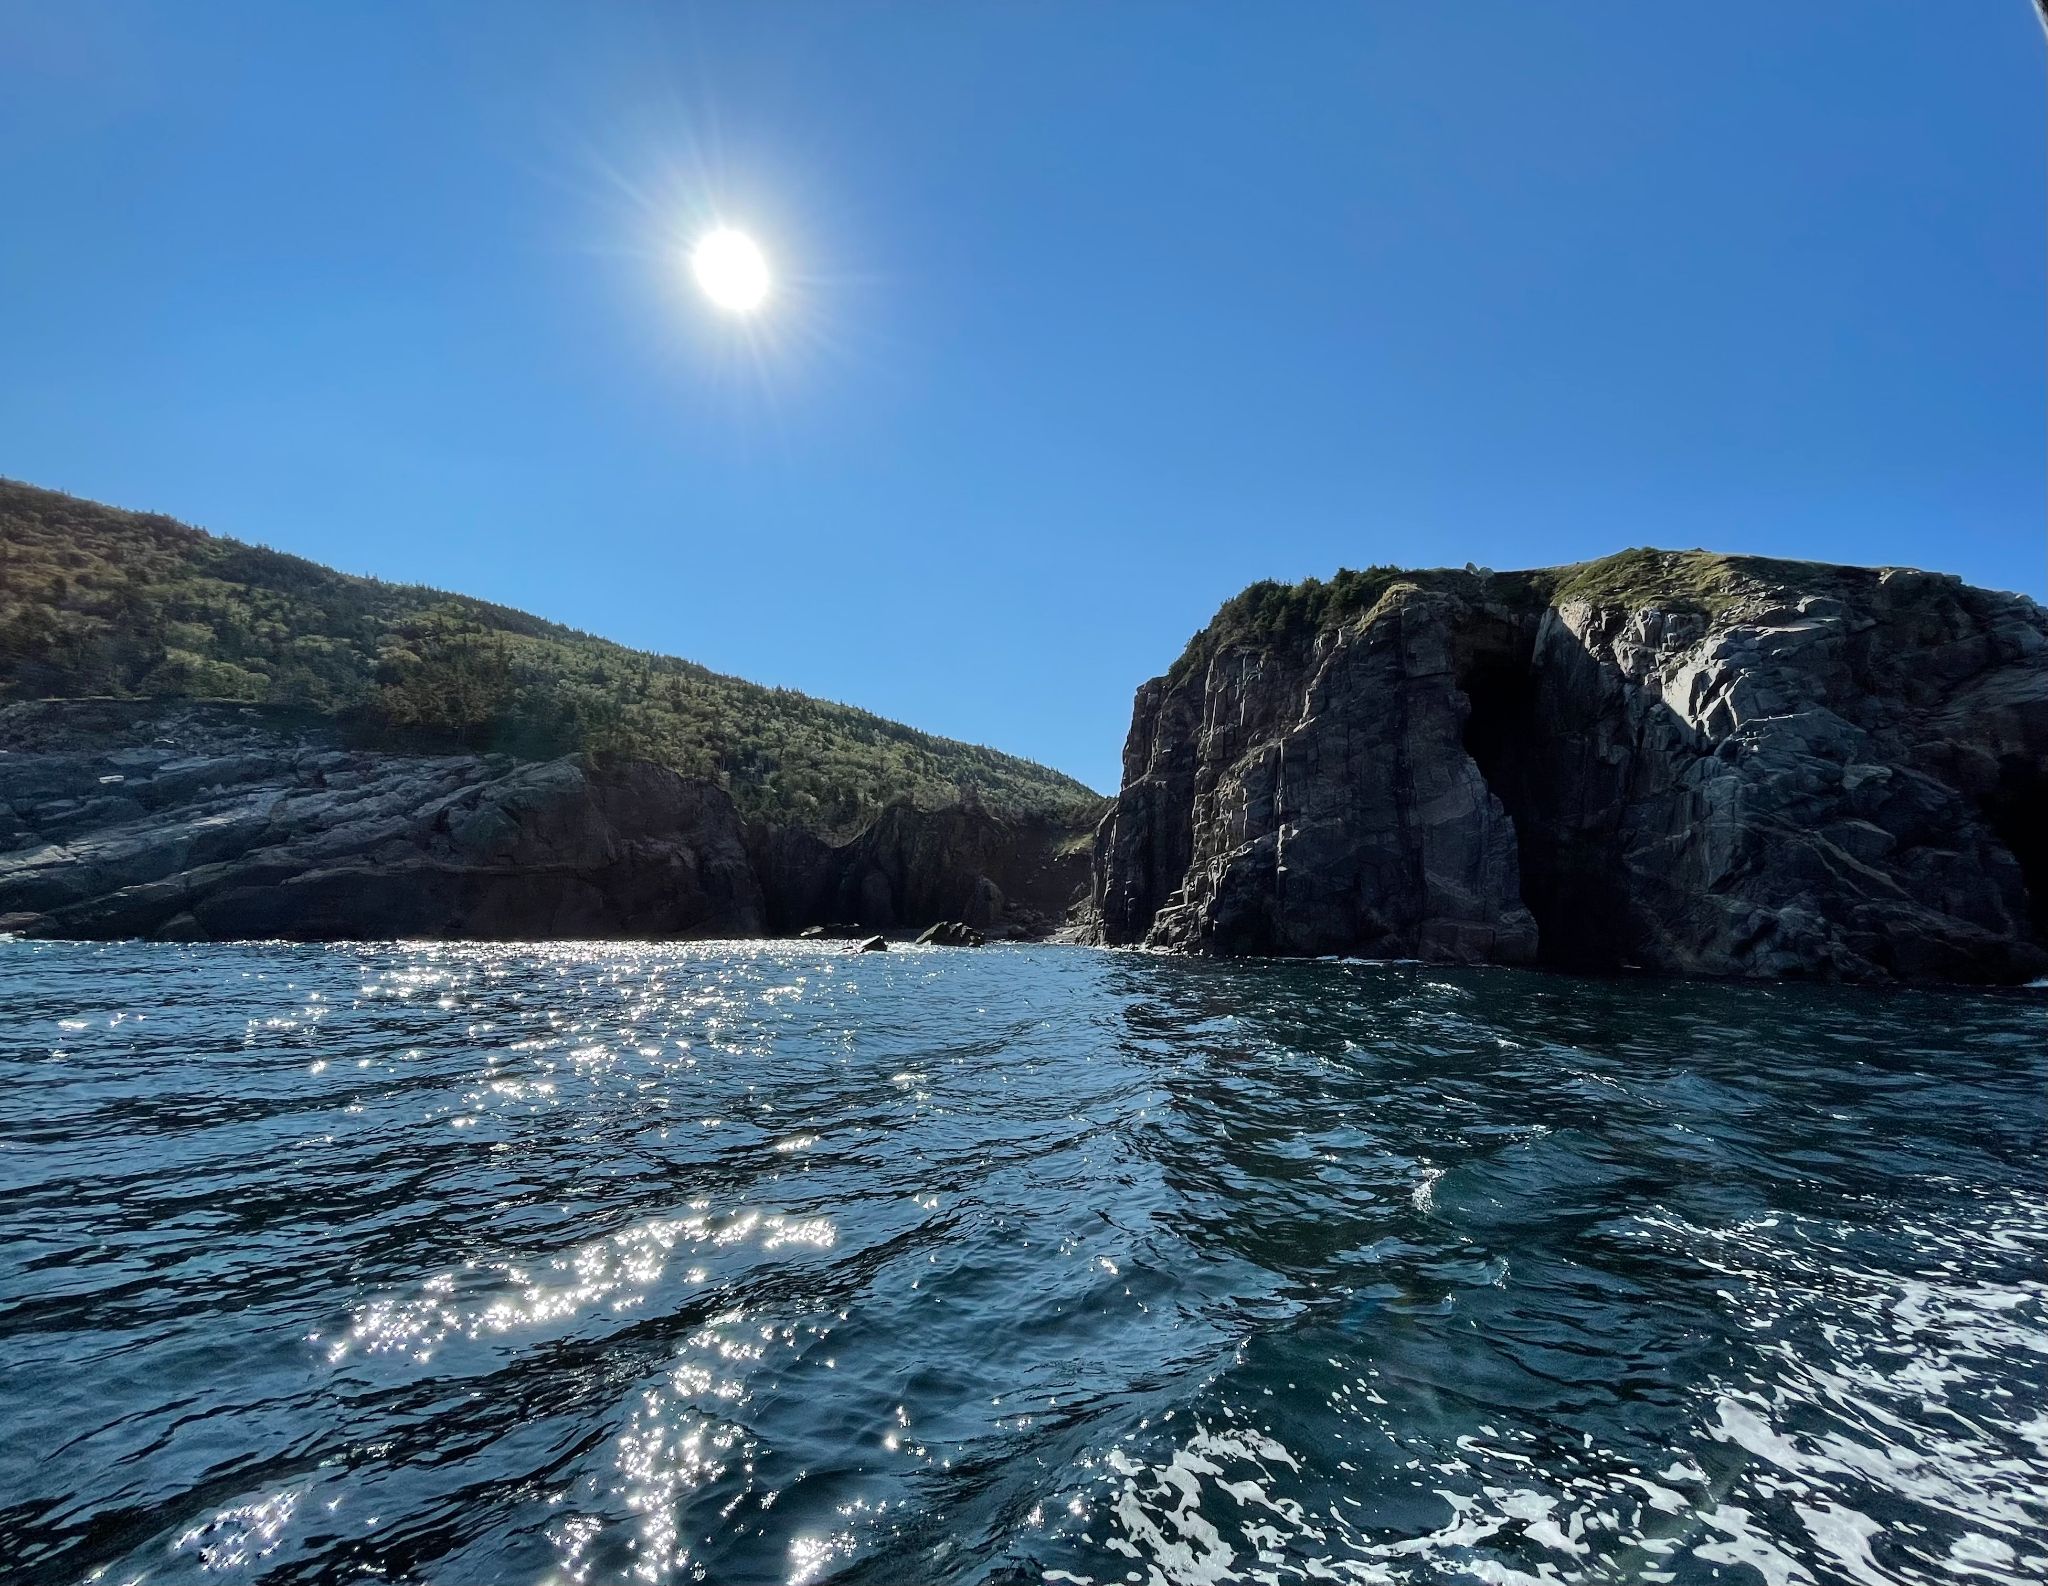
98, 601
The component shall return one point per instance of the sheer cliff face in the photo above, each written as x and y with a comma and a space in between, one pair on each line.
1314, 796
1828, 772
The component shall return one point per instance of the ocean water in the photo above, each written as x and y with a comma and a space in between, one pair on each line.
767, 1262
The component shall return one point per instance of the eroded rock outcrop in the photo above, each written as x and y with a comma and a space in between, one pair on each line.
1689, 763
211, 821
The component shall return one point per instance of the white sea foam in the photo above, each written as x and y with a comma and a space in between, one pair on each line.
1874, 1394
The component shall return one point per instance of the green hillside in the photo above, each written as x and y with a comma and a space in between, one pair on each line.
97, 601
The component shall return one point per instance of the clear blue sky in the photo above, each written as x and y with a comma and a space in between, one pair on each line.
1092, 314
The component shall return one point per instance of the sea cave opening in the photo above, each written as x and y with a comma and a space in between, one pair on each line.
1566, 879
2014, 811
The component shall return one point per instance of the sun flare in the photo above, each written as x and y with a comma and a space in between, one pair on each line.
731, 270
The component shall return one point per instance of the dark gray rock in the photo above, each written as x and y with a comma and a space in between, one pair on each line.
1003, 876
874, 944
195, 821
231, 828
951, 933
1830, 772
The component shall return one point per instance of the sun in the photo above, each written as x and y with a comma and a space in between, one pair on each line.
731, 270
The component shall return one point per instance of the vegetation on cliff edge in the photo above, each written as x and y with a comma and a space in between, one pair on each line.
98, 601
1702, 581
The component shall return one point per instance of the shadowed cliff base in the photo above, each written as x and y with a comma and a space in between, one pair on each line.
204, 820
1678, 761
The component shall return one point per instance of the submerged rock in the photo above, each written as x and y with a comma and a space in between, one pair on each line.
1696, 764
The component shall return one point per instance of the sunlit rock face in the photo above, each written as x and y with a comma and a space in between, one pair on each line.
1693, 764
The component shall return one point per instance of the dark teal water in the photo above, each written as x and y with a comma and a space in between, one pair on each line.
763, 1262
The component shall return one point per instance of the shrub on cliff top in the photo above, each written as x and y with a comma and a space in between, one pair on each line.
1704, 581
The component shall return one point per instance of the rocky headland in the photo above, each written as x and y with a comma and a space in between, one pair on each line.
1676, 761
1673, 761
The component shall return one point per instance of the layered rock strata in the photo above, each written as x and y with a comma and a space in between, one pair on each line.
209, 821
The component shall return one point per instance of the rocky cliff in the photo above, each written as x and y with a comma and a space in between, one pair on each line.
192, 820
1688, 763
1015, 876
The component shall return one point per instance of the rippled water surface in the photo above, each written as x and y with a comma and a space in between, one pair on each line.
769, 1262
